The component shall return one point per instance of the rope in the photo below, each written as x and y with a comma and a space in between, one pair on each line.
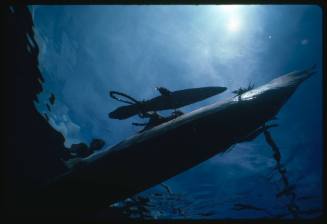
287, 188
142, 113
114, 93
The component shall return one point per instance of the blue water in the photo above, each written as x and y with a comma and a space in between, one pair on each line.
85, 51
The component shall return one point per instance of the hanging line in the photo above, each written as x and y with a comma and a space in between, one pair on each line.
287, 188
131, 101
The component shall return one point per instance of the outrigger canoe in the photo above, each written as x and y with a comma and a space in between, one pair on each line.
153, 156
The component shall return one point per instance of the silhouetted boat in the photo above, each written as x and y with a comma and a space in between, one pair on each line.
167, 100
151, 157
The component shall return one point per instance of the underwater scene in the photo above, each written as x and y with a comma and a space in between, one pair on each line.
209, 111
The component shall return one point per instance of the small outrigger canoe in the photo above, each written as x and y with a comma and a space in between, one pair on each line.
153, 156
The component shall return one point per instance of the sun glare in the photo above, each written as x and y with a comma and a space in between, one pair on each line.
232, 14
233, 24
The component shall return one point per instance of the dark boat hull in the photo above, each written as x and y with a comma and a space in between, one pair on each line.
153, 156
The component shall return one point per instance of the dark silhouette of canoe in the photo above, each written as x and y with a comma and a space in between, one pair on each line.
151, 157
171, 100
